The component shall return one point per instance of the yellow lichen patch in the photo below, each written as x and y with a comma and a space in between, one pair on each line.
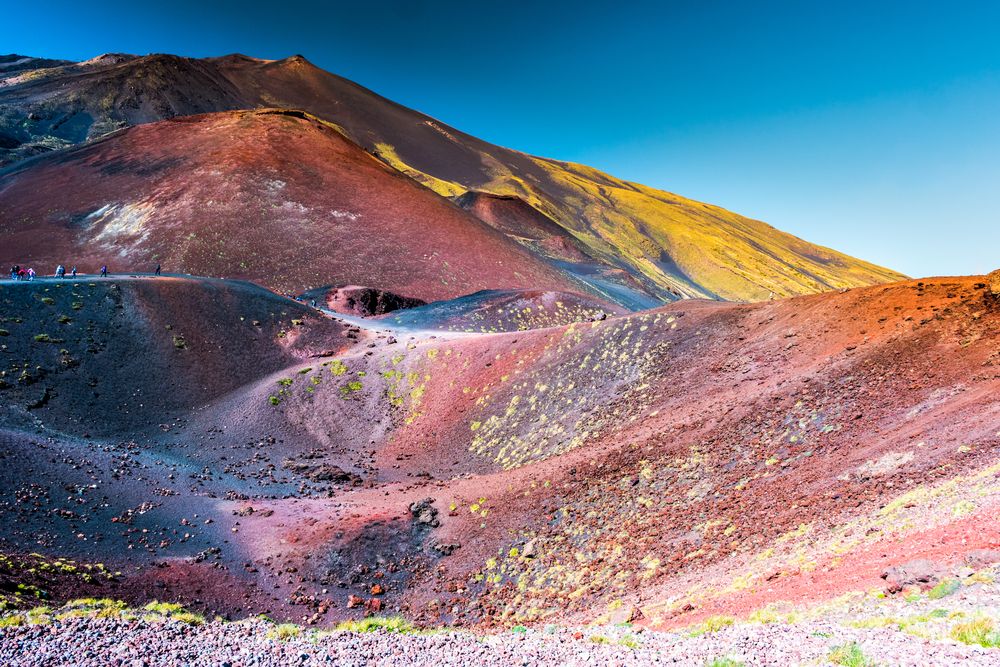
444, 188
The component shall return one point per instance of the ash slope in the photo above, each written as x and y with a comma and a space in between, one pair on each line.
640, 240
696, 460
278, 197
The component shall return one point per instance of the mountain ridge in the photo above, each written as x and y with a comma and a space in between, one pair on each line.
630, 234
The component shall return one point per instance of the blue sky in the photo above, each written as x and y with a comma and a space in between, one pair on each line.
870, 127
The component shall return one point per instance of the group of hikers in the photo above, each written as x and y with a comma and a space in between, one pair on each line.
18, 272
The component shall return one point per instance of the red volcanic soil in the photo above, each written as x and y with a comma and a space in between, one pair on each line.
517, 218
273, 196
697, 459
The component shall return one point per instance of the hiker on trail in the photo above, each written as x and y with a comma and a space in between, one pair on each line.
21, 274
104, 271
60, 271
13, 272
73, 272
31, 274
157, 268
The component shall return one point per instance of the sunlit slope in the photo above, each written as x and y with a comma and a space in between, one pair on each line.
674, 246
693, 248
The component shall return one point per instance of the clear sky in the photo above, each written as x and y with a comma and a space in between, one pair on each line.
871, 127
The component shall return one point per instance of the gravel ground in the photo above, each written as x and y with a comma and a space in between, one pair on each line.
86, 642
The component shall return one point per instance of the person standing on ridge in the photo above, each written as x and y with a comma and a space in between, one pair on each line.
60, 271
104, 271
31, 274
157, 268
73, 272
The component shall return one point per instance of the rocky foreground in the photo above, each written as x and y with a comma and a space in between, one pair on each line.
91, 640
950, 620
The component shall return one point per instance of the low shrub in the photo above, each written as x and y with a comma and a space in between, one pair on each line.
945, 588
849, 655
377, 623
723, 662
979, 631
284, 631
713, 624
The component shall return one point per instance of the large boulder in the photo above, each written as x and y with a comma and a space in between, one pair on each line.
425, 513
923, 573
993, 283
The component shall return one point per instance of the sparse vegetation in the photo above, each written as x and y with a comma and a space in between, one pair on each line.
12, 621
723, 662
980, 631
97, 607
171, 611
849, 655
944, 588
351, 387
377, 623
712, 624
284, 631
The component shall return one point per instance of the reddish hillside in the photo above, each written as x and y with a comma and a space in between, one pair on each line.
276, 197
699, 459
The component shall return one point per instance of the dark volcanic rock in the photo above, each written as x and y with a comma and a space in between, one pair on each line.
425, 513
320, 472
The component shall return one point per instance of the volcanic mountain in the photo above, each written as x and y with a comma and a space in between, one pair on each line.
621, 241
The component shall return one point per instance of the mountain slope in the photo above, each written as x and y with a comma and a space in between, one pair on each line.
277, 197
669, 245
